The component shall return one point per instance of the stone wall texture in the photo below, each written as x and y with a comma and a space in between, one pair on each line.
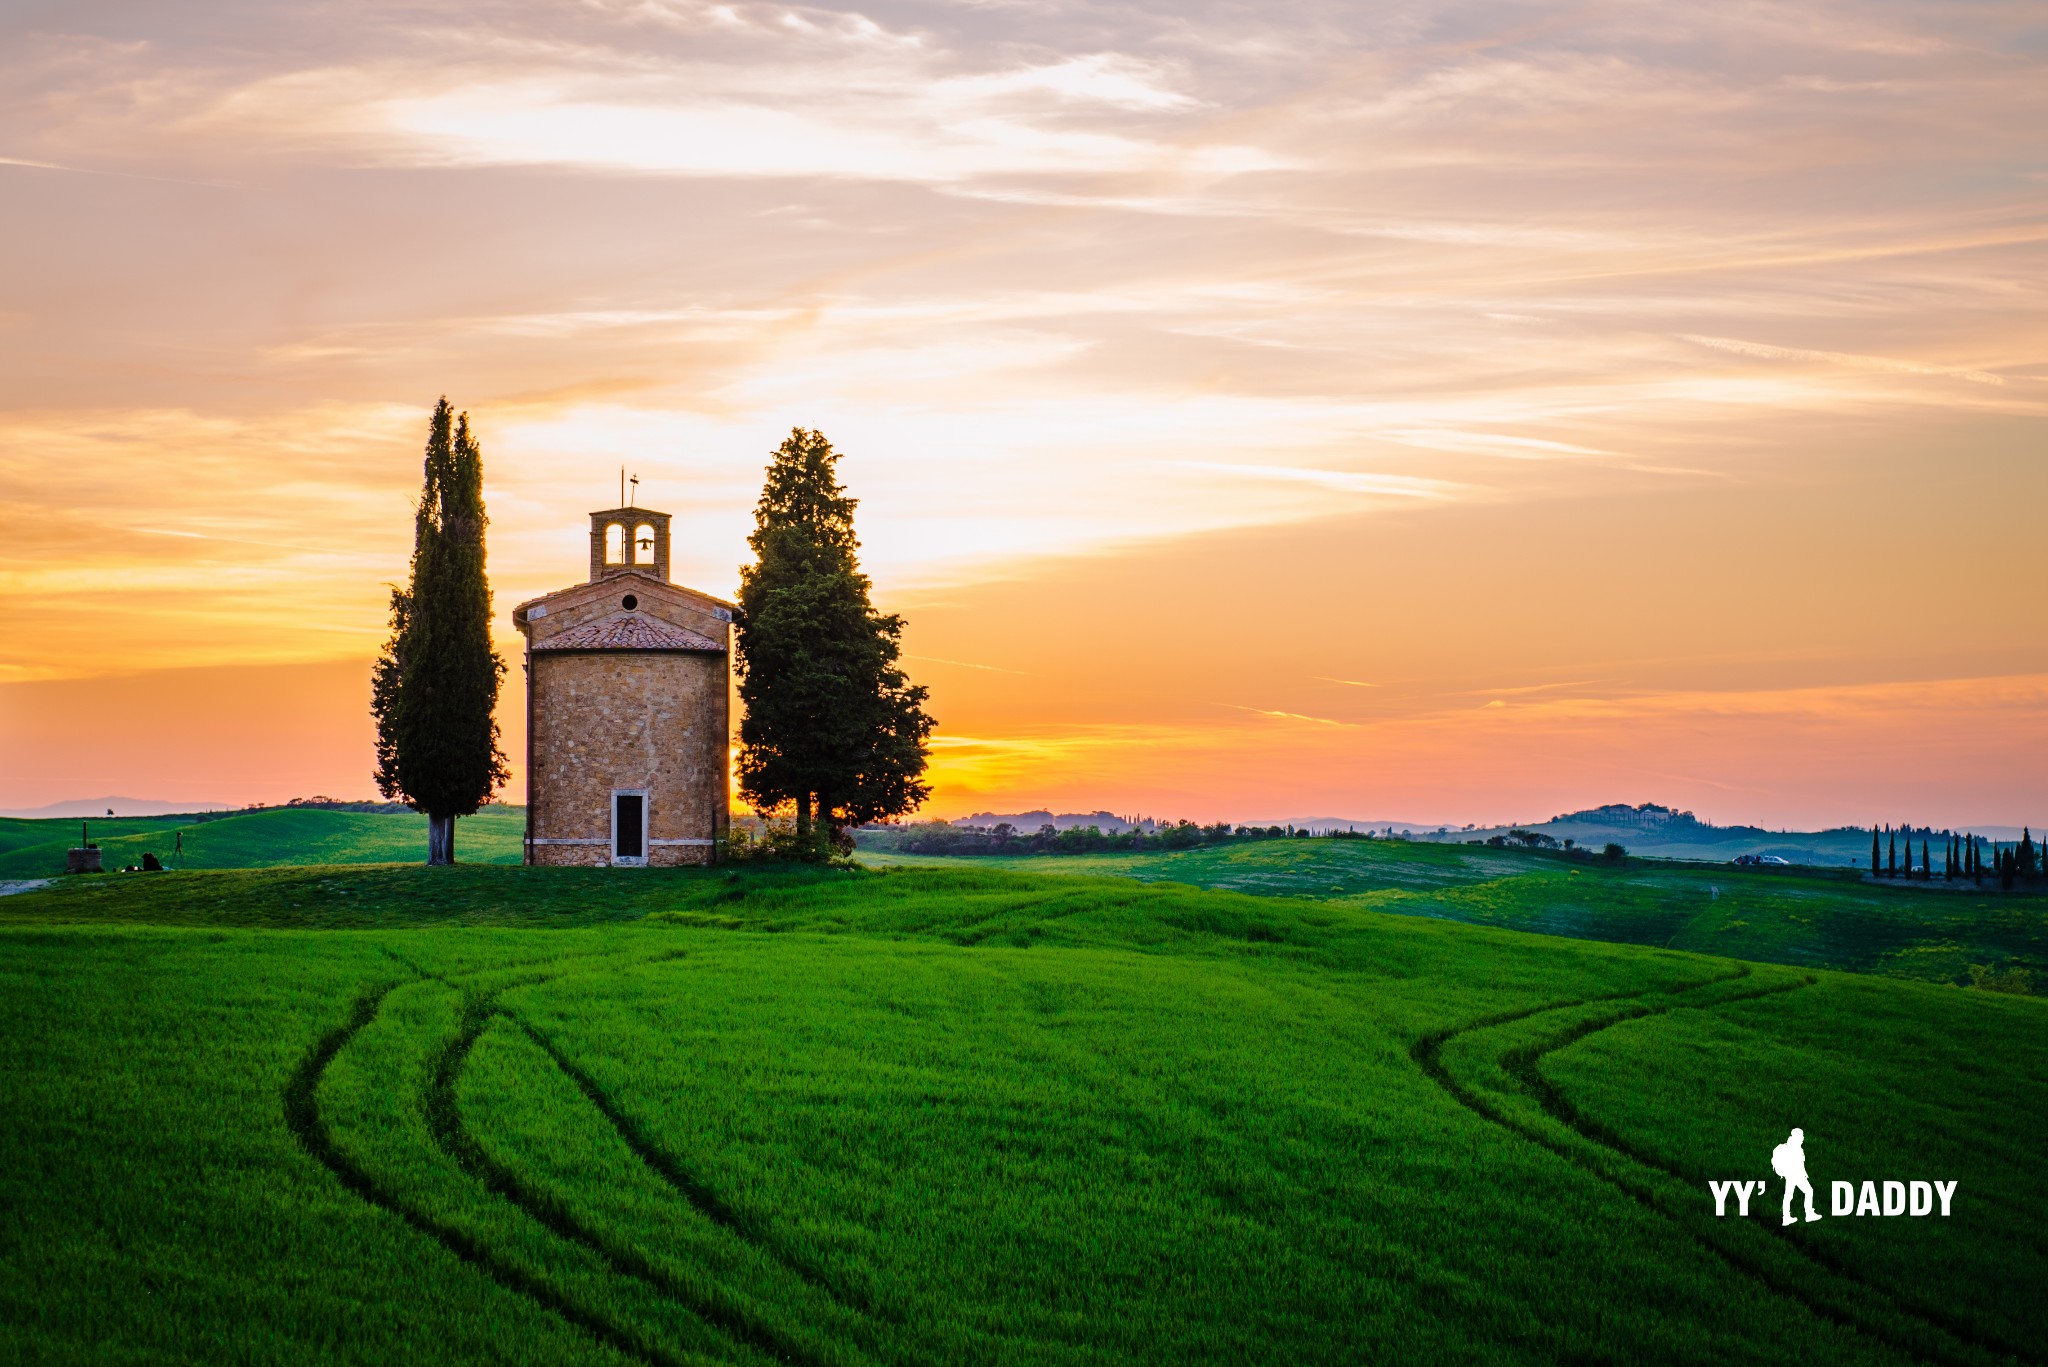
632, 719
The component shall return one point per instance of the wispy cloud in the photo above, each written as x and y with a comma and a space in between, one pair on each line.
963, 664
1341, 481
1850, 360
1291, 716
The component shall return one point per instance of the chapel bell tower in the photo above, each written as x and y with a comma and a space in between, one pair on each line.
629, 540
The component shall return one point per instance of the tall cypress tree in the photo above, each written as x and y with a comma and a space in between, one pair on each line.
1892, 858
2024, 855
435, 690
1926, 861
1876, 869
834, 729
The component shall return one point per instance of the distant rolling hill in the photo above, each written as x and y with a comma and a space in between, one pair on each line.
268, 837
1647, 829
126, 806
1661, 832
1667, 834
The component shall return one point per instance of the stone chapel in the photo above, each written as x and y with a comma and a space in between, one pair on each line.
626, 707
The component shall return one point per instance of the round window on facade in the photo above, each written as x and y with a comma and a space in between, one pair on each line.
629, 602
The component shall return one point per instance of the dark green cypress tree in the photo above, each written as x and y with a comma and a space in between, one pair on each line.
1876, 854
434, 692
834, 729
2023, 857
1926, 861
1948, 863
1892, 857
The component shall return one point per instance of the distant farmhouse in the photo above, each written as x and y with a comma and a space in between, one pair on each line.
626, 698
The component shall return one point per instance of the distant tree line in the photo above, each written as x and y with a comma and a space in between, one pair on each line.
1964, 855
940, 837
1539, 840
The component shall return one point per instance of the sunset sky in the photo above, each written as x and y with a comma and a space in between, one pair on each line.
1426, 411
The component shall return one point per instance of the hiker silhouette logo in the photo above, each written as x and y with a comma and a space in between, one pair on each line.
1788, 1160
1875, 1197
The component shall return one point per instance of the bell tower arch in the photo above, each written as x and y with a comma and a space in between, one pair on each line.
629, 541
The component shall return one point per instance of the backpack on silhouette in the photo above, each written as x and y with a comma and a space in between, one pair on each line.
1781, 1159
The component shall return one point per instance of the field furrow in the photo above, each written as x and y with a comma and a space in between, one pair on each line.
1491, 1066
702, 1298
378, 1088
672, 1173
302, 1115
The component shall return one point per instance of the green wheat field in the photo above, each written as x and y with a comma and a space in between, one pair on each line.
1338, 1105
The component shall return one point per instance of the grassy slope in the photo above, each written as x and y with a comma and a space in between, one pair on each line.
261, 839
1754, 1070
928, 1116
1841, 847
1807, 917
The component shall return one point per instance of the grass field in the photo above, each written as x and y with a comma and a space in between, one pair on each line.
935, 1115
267, 838
1821, 918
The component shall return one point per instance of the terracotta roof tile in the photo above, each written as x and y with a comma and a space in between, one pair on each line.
628, 631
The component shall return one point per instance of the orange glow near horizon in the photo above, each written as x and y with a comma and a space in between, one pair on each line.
1443, 415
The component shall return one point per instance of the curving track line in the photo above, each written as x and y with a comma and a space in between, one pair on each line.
1521, 1064
454, 1139
666, 1168
444, 1121
302, 1117
673, 1174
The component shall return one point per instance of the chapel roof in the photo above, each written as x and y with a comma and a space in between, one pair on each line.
628, 631
601, 587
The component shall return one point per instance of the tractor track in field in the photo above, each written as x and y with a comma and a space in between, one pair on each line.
455, 1140
302, 1117
665, 1167
691, 1189
1521, 1064
444, 1121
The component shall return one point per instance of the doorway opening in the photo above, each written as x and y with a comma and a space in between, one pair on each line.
629, 828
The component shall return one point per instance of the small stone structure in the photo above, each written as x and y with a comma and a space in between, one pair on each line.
627, 730
85, 860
